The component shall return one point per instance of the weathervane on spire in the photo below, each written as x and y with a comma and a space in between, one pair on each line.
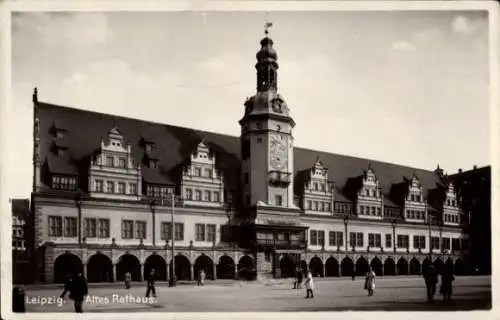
267, 25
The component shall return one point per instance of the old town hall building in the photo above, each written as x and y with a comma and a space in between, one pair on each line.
244, 207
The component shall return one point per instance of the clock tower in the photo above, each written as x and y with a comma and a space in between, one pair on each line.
266, 138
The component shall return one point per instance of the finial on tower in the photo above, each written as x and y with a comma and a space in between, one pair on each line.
35, 95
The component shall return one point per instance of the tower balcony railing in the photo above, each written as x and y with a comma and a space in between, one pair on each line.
280, 178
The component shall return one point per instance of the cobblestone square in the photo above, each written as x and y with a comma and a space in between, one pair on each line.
340, 294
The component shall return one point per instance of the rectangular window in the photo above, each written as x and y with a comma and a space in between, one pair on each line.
121, 188
321, 237
133, 188
90, 227
373, 211
374, 240
140, 227
189, 194
166, 229
359, 239
403, 241
197, 194
110, 161
208, 173
122, 163
314, 238
327, 207
207, 195
418, 242
216, 196
435, 243
200, 232
197, 172
352, 239
279, 200
127, 229
179, 231
322, 187
211, 232
388, 240
332, 238
446, 244
308, 205
379, 211
103, 228
69, 227
315, 185
110, 187
99, 186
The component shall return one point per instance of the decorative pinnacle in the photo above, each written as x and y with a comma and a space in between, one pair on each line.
267, 25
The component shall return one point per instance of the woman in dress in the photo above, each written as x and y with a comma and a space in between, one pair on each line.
309, 285
370, 281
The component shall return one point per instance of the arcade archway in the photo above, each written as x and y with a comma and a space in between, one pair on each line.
225, 268
67, 264
376, 266
206, 264
402, 266
316, 267
128, 263
99, 268
246, 270
347, 267
362, 266
389, 267
414, 267
182, 267
331, 267
157, 263
287, 266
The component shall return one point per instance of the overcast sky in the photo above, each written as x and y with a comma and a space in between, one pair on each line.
403, 87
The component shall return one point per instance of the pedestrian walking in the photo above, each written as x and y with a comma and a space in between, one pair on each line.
300, 275
201, 278
431, 279
447, 279
309, 285
128, 279
78, 289
370, 282
150, 278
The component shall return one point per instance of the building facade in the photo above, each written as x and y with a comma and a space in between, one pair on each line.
115, 195
22, 241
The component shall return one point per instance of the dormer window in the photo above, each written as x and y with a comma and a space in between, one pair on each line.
122, 162
153, 163
110, 161
63, 182
149, 147
197, 172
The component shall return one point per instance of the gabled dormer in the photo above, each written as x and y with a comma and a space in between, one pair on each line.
451, 210
369, 196
202, 183
415, 206
318, 195
113, 172
150, 159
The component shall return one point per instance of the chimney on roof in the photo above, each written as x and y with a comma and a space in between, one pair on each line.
35, 95
474, 167
460, 170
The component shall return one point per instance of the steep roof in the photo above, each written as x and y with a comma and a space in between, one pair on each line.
85, 129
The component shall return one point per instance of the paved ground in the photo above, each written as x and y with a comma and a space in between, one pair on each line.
392, 294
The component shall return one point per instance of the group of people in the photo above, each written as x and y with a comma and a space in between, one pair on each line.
309, 283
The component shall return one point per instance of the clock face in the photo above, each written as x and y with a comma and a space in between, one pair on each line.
279, 152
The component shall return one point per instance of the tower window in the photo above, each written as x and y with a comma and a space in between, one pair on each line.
279, 200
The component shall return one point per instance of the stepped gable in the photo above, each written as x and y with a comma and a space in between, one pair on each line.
85, 129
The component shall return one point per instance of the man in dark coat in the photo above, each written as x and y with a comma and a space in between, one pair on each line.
78, 289
447, 279
431, 279
299, 278
150, 278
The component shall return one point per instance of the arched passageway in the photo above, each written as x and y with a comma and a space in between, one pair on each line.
362, 266
347, 267
287, 266
99, 268
157, 263
414, 267
331, 267
246, 268
316, 267
206, 264
376, 266
128, 263
402, 266
225, 268
66, 265
389, 267
182, 267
